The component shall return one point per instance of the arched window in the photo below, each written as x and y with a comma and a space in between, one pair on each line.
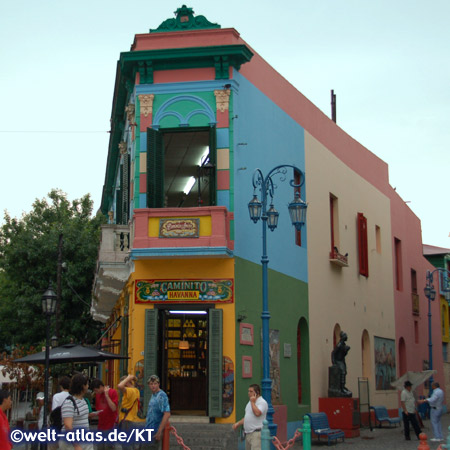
303, 361
402, 356
366, 355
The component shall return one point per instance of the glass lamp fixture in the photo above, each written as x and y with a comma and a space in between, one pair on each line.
49, 301
297, 211
254, 208
272, 218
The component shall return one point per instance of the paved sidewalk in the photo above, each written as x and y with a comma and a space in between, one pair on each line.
385, 438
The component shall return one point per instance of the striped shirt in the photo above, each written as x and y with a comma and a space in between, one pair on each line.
80, 417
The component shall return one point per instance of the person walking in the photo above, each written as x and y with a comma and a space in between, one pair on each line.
5, 404
75, 412
255, 414
436, 401
408, 403
158, 412
106, 405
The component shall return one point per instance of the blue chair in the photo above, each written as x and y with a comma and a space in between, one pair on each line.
320, 427
381, 415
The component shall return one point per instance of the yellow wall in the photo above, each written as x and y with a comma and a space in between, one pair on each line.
176, 269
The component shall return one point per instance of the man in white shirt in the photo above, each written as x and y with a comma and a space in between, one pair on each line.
255, 414
408, 403
64, 383
436, 401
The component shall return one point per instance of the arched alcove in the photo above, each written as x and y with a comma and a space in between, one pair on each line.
303, 368
366, 354
401, 356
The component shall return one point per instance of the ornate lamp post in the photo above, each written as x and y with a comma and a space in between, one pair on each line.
258, 210
48, 308
430, 294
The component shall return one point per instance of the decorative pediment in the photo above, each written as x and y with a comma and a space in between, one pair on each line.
185, 20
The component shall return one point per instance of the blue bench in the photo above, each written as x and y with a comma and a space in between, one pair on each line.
381, 415
320, 427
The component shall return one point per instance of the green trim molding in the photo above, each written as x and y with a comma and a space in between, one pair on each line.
147, 61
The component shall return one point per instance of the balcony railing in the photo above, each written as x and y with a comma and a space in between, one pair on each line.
115, 243
338, 259
113, 269
162, 232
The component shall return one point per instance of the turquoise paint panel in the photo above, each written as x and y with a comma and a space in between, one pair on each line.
223, 199
264, 136
223, 138
184, 110
142, 200
143, 139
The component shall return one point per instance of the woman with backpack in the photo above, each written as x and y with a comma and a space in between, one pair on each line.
75, 412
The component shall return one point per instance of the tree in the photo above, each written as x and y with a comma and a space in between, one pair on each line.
28, 261
24, 376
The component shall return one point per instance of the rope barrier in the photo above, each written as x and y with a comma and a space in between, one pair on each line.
279, 446
178, 438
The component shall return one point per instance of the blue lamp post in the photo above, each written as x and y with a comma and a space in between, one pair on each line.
269, 217
430, 294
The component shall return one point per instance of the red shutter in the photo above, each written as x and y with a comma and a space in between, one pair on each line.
362, 245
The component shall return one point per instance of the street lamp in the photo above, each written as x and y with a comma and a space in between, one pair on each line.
48, 308
430, 294
258, 210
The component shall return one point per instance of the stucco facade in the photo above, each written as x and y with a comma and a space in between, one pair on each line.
197, 102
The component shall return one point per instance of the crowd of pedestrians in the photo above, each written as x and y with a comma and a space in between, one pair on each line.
74, 410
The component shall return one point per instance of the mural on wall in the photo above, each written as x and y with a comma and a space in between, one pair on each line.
274, 350
385, 364
228, 387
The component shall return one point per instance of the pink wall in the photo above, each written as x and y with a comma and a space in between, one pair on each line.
406, 227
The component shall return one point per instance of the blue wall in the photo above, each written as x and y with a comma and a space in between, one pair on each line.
264, 137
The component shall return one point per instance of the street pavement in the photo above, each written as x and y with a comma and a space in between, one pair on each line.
385, 438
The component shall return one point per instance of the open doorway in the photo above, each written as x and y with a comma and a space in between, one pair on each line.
181, 168
185, 360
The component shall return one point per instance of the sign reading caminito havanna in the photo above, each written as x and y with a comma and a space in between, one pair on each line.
184, 291
179, 228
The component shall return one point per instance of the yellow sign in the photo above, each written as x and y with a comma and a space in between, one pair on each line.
183, 295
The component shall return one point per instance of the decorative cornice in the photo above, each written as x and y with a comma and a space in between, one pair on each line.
185, 20
222, 99
146, 101
130, 110
123, 148
221, 58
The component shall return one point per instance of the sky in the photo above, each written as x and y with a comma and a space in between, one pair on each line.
388, 63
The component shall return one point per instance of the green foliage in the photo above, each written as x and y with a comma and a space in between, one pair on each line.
28, 261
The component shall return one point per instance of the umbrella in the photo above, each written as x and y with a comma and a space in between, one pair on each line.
416, 378
70, 353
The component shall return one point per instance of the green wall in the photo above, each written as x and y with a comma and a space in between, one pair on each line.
287, 305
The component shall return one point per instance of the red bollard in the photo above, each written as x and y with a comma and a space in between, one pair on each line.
423, 442
166, 437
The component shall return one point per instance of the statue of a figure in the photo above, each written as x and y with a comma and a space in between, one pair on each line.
338, 359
